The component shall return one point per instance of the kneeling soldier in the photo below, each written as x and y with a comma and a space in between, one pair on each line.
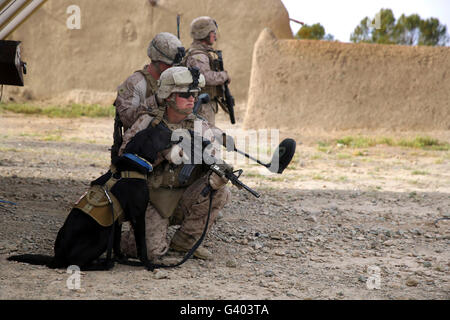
173, 202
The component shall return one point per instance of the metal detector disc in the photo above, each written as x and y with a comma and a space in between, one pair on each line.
282, 156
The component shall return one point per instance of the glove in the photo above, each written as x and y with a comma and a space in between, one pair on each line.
216, 182
174, 154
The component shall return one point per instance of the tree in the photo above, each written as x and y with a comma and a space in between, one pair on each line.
432, 33
407, 30
361, 32
377, 30
314, 32
383, 33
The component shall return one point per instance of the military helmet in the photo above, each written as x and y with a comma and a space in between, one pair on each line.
179, 79
167, 48
202, 26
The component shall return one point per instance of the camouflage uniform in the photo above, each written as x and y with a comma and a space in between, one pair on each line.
136, 96
203, 56
191, 213
135, 99
190, 208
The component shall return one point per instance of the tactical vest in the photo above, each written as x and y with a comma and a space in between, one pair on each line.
166, 190
164, 185
96, 201
213, 91
152, 85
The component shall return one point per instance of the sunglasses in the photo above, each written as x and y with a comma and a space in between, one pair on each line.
187, 95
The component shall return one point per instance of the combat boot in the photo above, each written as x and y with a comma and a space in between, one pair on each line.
183, 242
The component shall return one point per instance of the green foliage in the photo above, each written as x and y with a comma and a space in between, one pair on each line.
357, 142
419, 172
424, 143
70, 111
420, 142
432, 33
407, 30
314, 32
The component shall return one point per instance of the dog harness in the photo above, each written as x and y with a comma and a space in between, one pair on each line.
97, 201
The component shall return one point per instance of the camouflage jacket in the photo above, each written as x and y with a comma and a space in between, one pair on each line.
135, 96
166, 174
135, 100
202, 56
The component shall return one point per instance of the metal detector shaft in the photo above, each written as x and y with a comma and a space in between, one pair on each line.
280, 159
267, 165
228, 139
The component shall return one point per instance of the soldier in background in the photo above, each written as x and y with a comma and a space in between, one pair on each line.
171, 201
202, 55
136, 95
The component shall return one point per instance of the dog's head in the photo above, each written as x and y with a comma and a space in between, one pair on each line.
147, 143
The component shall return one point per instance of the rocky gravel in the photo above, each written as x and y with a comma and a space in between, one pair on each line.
305, 238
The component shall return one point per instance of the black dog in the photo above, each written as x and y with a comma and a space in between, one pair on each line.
81, 240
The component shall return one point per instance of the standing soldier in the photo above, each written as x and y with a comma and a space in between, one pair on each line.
202, 55
136, 96
172, 201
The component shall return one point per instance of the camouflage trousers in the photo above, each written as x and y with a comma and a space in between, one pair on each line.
208, 111
191, 214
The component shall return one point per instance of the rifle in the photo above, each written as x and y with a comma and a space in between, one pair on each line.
219, 167
117, 138
227, 100
226, 171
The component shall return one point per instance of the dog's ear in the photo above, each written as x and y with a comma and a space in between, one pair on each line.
147, 143
133, 145
156, 141
161, 139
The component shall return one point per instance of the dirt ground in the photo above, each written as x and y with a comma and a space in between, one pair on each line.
319, 231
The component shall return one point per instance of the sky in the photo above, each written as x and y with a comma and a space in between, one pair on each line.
340, 17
